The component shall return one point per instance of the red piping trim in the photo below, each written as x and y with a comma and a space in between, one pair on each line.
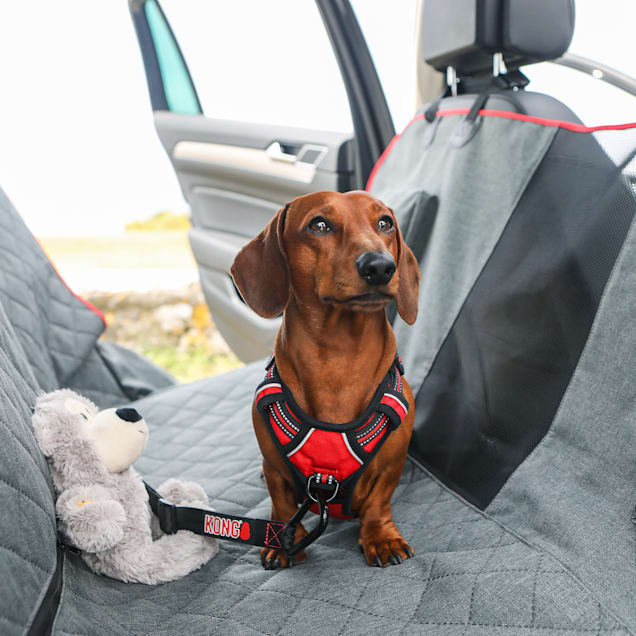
85, 302
485, 112
387, 150
542, 121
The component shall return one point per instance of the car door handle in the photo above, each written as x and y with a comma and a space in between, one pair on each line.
275, 152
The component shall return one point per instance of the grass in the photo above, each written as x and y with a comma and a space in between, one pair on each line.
130, 250
162, 221
192, 364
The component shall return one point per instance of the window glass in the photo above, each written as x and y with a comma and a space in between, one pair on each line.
269, 62
389, 29
604, 33
594, 101
177, 86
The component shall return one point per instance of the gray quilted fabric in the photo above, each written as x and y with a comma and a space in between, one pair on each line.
57, 331
478, 187
27, 518
470, 575
575, 493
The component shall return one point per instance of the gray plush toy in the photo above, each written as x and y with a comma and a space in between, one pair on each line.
102, 503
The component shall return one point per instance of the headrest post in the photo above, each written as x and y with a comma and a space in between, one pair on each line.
498, 65
451, 80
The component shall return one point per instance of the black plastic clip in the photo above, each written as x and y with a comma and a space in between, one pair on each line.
320, 489
167, 515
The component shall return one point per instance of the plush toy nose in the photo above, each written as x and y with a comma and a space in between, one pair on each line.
128, 415
377, 268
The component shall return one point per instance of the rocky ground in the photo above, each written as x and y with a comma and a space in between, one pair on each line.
172, 327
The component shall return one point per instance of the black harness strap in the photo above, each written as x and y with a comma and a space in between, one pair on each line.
291, 430
247, 530
173, 517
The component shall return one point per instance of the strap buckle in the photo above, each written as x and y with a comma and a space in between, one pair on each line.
322, 486
167, 515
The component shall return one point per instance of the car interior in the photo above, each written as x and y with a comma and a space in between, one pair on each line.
518, 495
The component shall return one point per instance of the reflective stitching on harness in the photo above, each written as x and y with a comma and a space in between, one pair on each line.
366, 428
371, 426
366, 441
301, 443
280, 425
346, 441
282, 414
269, 386
392, 397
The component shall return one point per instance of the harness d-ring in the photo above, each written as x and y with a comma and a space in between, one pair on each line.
317, 481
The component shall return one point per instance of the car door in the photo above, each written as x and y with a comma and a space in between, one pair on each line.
234, 172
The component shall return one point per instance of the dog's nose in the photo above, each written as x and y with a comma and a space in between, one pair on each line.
128, 415
377, 268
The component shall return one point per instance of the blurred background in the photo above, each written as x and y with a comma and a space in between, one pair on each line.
81, 161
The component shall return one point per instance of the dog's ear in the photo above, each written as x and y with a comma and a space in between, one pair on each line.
408, 270
260, 269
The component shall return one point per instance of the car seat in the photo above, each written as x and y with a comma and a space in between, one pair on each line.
518, 493
522, 219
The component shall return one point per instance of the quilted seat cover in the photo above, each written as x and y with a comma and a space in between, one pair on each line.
469, 576
58, 331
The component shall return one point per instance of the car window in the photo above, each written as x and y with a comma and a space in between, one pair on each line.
267, 62
389, 29
180, 95
604, 33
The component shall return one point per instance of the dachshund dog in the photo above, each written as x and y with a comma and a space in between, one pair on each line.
331, 263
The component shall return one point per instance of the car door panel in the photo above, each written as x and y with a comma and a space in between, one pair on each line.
234, 184
235, 175
249, 335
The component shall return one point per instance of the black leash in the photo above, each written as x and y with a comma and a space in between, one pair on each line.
259, 532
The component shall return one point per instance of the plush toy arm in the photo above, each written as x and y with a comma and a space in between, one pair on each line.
185, 493
90, 518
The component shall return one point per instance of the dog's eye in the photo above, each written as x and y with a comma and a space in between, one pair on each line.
318, 225
385, 224
84, 416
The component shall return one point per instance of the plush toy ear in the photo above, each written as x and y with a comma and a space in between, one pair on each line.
260, 270
408, 270
55, 418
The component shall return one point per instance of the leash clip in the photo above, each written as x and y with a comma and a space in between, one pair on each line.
321, 489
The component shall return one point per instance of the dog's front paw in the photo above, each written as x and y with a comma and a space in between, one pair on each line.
386, 549
274, 559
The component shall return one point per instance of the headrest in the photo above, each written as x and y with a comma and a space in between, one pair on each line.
466, 33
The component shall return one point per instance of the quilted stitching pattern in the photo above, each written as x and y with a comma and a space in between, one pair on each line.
469, 575
27, 521
56, 330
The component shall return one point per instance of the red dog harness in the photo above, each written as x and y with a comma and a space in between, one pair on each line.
325, 455
326, 461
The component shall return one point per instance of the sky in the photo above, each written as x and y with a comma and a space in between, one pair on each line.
78, 151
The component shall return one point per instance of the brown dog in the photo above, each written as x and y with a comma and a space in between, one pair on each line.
330, 263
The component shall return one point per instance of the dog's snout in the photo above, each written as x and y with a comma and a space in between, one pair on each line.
128, 415
377, 268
